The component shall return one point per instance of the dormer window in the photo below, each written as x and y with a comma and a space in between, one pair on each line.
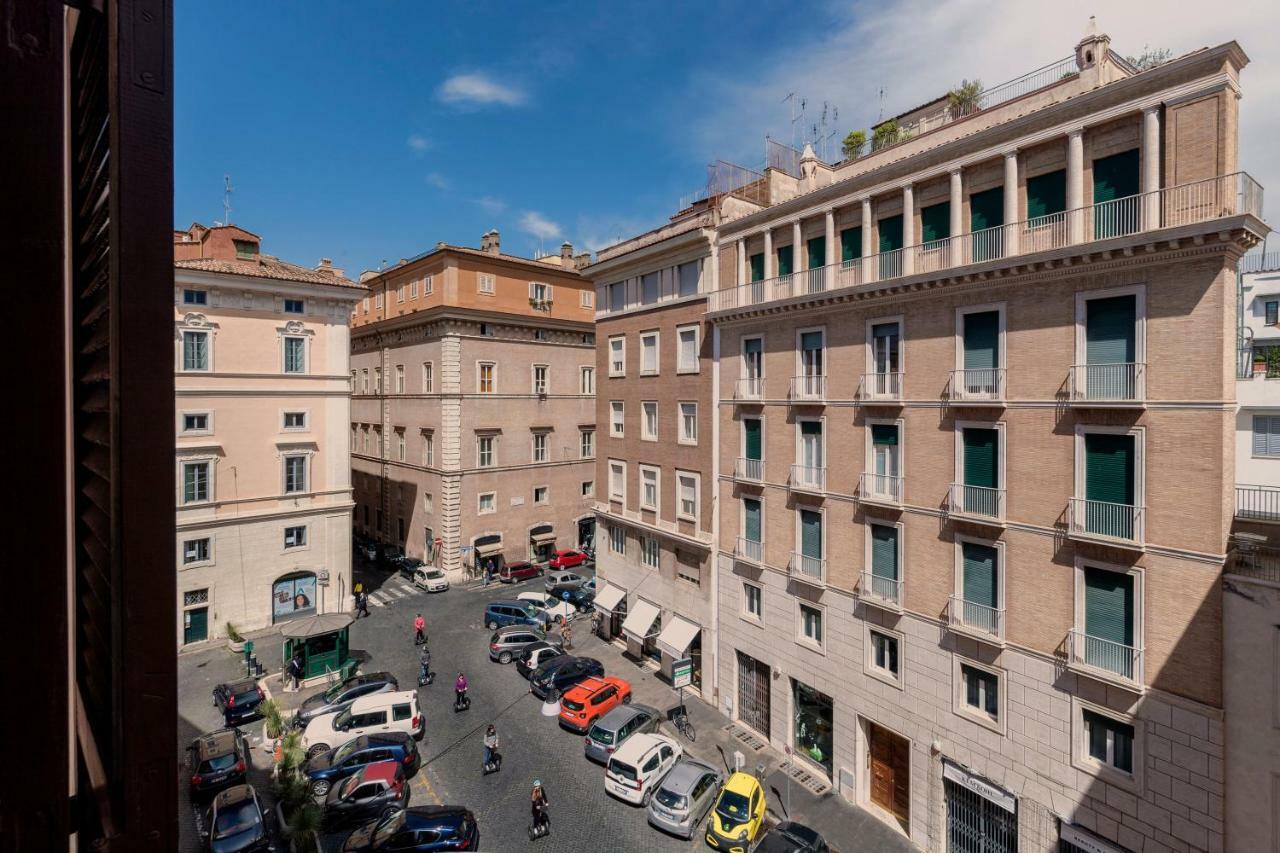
246, 250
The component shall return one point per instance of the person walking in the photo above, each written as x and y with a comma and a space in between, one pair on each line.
362, 604
488, 571
419, 630
566, 636
295, 670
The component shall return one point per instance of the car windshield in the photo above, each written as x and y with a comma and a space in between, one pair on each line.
625, 771
672, 800
235, 819
600, 735
532, 611
733, 807
218, 763
333, 692
435, 573
340, 720
389, 826
345, 750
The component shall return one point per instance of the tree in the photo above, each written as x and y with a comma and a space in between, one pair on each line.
884, 134
963, 99
1150, 57
852, 145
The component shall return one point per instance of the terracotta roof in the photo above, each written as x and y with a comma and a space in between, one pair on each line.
265, 266
481, 254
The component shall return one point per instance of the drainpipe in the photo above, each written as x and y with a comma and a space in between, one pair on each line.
715, 513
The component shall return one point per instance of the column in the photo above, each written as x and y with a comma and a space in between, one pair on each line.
829, 259
1075, 186
908, 265
1011, 217
956, 228
799, 260
868, 267
711, 280
1150, 168
770, 264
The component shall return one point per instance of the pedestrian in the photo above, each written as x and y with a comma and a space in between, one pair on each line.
490, 743
362, 604
566, 635
419, 630
295, 669
488, 571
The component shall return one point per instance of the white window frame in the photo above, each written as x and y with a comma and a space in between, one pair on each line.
959, 699
821, 420
546, 495
869, 656
618, 467
657, 488
400, 293
685, 436
207, 429
428, 503
587, 488
1139, 574
869, 345
697, 343
645, 407
586, 443
620, 341
697, 497
377, 301
961, 313
183, 464
428, 448
413, 288
1139, 292
400, 385
402, 449
545, 437
655, 336
649, 544
493, 499
586, 299
617, 418
493, 377
802, 639
587, 380
285, 458
869, 462
826, 354
869, 519
617, 539
206, 560
284, 355
428, 377
744, 610
364, 380
428, 285
304, 545
541, 293
1084, 762
742, 357
1139, 434
284, 420
377, 381
486, 284
493, 449
208, 351
545, 387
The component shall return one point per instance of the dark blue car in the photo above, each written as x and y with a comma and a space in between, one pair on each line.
499, 614
238, 700
329, 768
558, 674
420, 829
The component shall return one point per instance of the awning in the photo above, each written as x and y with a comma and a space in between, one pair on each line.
540, 538
491, 548
639, 622
677, 635
314, 626
608, 598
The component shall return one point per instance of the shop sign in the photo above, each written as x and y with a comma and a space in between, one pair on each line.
980, 786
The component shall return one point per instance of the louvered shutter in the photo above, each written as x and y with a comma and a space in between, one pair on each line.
935, 222
757, 267
786, 259
981, 340
751, 519
981, 583
890, 229
980, 458
986, 209
810, 533
884, 435
1047, 194
850, 244
1109, 468
751, 433
817, 252
884, 551
1110, 330
1108, 605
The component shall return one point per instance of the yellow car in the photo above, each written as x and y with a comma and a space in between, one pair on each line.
738, 815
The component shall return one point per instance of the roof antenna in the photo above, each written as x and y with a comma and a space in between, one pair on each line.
881, 118
226, 199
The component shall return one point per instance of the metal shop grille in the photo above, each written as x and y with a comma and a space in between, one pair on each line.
977, 825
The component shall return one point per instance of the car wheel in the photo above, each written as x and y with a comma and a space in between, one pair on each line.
626, 700
318, 749
493, 626
320, 788
644, 800
504, 658
387, 812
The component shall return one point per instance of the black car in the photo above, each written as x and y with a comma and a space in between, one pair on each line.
372, 791
406, 566
329, 768
217, 760
792, 837
389, 556
235, 822
534, 654
238, 700
420, 829
340, 696
560, 673
581, 598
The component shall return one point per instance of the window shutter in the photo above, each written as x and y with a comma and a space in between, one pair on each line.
757, 267
1261, 431
890, 229
884, 551
550, 293
1047, 194
980, 579
786, 259
850, 244
1115, 176
751, 429
986, 209
531, 290
751, 519
1110, 330
935, 222
813, 428
811, 341
981, 340
884, 435
810, 533
1273, 436
1109, 468
1108, 605
817, 253
980, 458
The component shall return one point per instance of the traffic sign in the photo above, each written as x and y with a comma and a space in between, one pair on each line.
682, 672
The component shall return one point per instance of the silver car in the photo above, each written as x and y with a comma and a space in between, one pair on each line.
684, 797
609, 732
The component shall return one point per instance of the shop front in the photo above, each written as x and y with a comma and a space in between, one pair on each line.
812, 724
982, 817
681, 638
611, 603
542, 543
754, 698
486, 549
641, 627
587, 532
293, 595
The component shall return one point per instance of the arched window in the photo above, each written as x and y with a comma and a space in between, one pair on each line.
293, 595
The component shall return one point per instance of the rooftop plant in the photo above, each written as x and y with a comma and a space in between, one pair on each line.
853, 143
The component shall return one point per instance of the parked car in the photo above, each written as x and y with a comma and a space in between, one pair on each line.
558, 609
389, 557
558, 582
612, 730
590, 699
408, 566
217, 760
369, 550
340, 696
792, 837
555, 676
431, 579
370, 792
238, 700
635, 769
534, 655
508, 642
235, 822
327, 768
519, 571
738, 815
419, 829
514, 612
581, 598
381, 712
566, 558
684, 797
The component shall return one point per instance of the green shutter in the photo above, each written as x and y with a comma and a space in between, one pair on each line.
1115, 176
811, 341
1108, 605
757, 267
811, 428
935, 222
981, 583
980, 458
884, 435
1108, 468
751, 515
850, 244
986, 209
884, 551
786, 257
810, 533
1110, 330
817, 253
982, 340
751, 428
890, 229
1047, 194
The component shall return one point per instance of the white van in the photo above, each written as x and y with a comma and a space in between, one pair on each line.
638, 766
375, 714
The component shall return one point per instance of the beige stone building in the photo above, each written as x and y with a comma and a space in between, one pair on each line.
262, 418
473, 424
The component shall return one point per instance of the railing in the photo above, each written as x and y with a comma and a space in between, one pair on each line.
748, 469
1258, 503
807, 566
882, 589
808, 387
1108, 521
977, 501
749, 550
880, 488
749, 389
1105, 656
809, 477
971, 616
982, 385
1261, 562
1108, 383
881, 386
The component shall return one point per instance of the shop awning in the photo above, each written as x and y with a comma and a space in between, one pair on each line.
639, 622
539, 538
488, 549
677, 635
608, 598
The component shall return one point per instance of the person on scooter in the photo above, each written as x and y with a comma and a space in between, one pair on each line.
419, 630
490, 744
424, 667
538, 803
459, 689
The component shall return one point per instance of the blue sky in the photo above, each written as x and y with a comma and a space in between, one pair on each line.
371, 134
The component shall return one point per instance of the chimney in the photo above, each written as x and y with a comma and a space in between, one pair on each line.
489, 242
566, 255
582, 260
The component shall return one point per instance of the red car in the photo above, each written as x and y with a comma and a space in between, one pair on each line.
590, 699
567, 559
518, 571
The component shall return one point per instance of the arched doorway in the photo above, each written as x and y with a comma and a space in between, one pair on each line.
293, 595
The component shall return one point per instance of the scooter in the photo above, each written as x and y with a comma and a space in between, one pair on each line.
425, 675
540, 827
494, 764
461, 703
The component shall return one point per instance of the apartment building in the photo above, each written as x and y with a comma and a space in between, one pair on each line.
975, 457
472, 431
262, 413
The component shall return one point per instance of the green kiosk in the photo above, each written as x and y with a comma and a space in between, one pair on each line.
322, 639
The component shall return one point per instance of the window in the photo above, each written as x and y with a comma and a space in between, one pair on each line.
617, 295
1108, 742
615, 418
978, 585
295, 474
752, 601
587, 380
649, 421
485, 283
195, 551
295, 420
365, 303
428, 503
539, 447
648, 353
688, 274
540, 294
377, 300
540, 379
649, 288
587, 446
295, 355
364, 381
617, 539
195, 482
688, 423
364, 440
487, 503
1273, 313
485, 381
1266, 435
587, 299
811, 353
687, 350
294, 306
295, 537
540, 494
1109, 630
377, 380
428, 378
539, 334
810, 624
353, 382
428, 285
650, 483
883, 656
486, 330
201, 297
428, 448
413, 289
617, 480
195, 350
400, 445
484, 451
588, 488
197, 422
617, 356
399, 378
245, 249
687, 493
650, 552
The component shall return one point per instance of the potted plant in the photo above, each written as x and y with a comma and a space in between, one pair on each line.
235, 642
299, 816
884, 134
963, 99
852, 145
272, 722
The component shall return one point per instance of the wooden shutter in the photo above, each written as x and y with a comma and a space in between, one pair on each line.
884, 551
980, 457
981, 582
986, 209
751, 429
757, 267
850, 244
817, 253
1111, 330
982, 340
884, 435
1109, 461
890, 230
1115, 176
1047, 194
935, 222
786, 259
1108, 605
810, 533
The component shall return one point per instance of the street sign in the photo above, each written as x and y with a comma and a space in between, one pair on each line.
682, 672
322, 577
565, 595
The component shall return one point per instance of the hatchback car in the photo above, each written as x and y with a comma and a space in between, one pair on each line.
558, 582
534, 655
792, 837
419, 829
612, 730
238, 700
581, 598
370, 792
566, 558
500, 613
738, 815
217, 760
635, 769
684, 797
431, 579
557, 608
381, 712
590, 699
506, 643
557, 675
328, 768
340, 696
235, 822
407, 566
519, 571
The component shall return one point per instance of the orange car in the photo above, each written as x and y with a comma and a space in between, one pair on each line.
590, 699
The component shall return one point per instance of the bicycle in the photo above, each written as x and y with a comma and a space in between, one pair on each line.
681, 721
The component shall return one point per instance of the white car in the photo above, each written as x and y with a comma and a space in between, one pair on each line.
638, 766
374, 714
430, 579
556, 609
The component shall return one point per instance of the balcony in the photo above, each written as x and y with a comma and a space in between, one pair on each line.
982, 387
809, 478
1108, 385
808, 389
807, 568
881, 591
1253, 559
749, 470
1258, 503
881, 388
749, 390
1234, 194
880, 489
977, 503
976, 620
749, 551
1105, 660
1107, 523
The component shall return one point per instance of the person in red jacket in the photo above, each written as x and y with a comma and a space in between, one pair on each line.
419, 630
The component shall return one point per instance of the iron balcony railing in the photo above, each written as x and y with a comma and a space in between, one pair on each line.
808, 566
1105, 656
809, 388
749, 469
809, 478
983, 385
749, 550
977, 501
881, 590
749, 389
1252, 560
976, 618
880, 488
1119, 383
881, 387
1104, 521
1258, 503
1185, 204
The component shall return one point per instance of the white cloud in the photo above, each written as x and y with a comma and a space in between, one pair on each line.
477, 89
418, 143
532, 222
437, 180
490, 204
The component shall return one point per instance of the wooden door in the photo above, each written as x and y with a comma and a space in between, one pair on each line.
890, 772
